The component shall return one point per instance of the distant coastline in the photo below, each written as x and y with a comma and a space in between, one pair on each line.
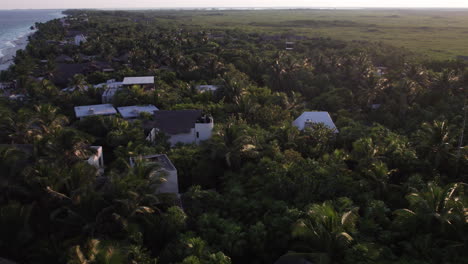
8, 54
15, 37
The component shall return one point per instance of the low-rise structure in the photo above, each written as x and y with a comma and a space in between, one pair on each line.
170, 182
17, 97
206, 88
381, 70
375, 106
111, 87
134, 111
307, 119
93, 110
63, 59
181, 126
78, 39
7, 85
97, 159
147, 82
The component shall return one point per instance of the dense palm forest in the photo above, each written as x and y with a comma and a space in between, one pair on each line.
390, 187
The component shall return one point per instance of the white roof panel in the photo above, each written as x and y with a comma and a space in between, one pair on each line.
314, 117
138, 80
207, 87
90, 110
135, 110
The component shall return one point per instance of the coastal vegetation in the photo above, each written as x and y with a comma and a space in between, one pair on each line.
389, 187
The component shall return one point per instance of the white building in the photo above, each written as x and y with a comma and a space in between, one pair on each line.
7, 85
97, 159
17, 97
93, 110
78, 39
146, 82
308, 118
111, 87
181, 126
169, 182
206, 88
381, 71
131, 112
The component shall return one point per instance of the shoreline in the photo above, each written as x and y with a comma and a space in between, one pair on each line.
9, 53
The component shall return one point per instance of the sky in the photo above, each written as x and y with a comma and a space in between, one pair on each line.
60, 4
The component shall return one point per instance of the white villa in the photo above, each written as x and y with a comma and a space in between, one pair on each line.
306, 119
170, 183
78, 39
93, 110
182, 126
132, 112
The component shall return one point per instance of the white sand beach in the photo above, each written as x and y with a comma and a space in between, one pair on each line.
9, 53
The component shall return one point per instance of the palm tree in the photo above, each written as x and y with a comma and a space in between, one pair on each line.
324, 233
12, 164
283, 69
435, 142
79, 82
67, 145
436, 219
435, 209
17, 127
97, 252
48, 120
16, 230
232, 143
410, 84
233, 84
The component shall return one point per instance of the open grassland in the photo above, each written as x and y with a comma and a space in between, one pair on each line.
441, 34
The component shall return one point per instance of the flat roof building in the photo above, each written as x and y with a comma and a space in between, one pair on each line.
206, 88
111, 88
129, 112
181, 126
93, 110
146, 82
138, 80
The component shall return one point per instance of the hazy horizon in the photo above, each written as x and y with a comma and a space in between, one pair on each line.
164, 4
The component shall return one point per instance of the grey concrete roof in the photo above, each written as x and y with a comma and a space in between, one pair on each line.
161, 159
138, 80
174, 122
90, 110
135, 110
207, 87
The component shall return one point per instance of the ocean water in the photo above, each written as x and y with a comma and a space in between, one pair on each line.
15, 24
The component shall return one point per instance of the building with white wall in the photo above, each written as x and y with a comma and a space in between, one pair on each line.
169, 182
78, 39
97, 159
181, 126
93, 110
307, 119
